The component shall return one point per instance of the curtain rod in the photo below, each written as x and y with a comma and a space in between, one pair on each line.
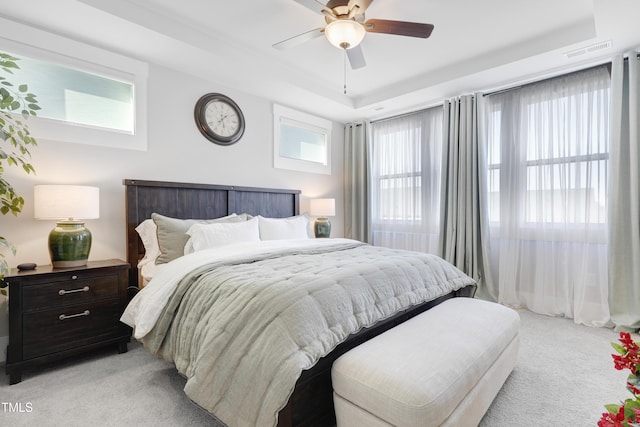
507, 89
409, 113
495, 92
607, 62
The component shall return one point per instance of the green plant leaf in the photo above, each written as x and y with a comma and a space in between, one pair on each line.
15, 139
629, 407
10, 64
612, 408
619, 348
28, 168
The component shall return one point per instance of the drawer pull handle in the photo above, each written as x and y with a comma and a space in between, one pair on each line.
74, 277
63, 292
64, 316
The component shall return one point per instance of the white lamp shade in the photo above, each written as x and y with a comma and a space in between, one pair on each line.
59, 202
345, 33
322, 207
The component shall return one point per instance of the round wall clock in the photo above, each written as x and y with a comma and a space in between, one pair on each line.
219, 119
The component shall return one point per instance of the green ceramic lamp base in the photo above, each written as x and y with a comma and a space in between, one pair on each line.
322, 227
69, 244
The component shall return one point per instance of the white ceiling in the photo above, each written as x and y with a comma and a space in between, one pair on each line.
476, 45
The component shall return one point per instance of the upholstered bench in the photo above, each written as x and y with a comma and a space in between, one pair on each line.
443, 367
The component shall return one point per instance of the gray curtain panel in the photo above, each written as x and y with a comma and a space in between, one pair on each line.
464, 238
624, 197
357, 218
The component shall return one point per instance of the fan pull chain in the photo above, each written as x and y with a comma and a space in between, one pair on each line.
345, 70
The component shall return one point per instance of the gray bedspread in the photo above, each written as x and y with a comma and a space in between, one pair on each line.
242, 332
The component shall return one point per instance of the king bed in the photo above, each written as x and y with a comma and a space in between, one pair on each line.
255, 323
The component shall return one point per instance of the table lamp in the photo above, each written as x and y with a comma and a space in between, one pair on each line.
69, 206
322, 208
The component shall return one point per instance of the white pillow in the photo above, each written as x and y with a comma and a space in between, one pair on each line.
204, 236
295, 227
147, 232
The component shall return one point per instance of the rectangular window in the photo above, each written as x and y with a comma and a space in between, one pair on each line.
406, 158
87, 95
302, 142
548, 155
78, 97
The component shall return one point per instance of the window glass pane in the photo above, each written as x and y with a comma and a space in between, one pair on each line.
567, 193
400, 199
402, 152
78, 97
566, 126
301, 141
493, 186
494, 136
303, 144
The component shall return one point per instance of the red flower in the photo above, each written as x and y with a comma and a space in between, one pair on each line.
625, 339
618, 419
627, 414
628, 357
612, 420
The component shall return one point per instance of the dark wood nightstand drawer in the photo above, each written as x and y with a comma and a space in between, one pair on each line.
68, 292
55, 313
60, 329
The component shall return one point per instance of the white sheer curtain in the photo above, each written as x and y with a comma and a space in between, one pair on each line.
548, 153
406, 157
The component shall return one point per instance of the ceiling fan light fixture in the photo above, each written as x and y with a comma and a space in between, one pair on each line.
344, 33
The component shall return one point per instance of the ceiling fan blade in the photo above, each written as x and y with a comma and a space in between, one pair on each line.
299, 39
356, 57
315, 5
401, 28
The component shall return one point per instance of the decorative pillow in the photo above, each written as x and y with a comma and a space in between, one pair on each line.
172, 234
188, 247
205, 236
295, 227
147, 232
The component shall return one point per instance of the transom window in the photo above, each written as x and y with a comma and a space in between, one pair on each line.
87, 95
78, 97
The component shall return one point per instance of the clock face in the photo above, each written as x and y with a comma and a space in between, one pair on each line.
219, 119
222, 119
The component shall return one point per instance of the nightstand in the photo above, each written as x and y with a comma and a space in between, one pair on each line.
59, 312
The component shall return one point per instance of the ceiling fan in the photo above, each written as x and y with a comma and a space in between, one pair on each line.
346, 27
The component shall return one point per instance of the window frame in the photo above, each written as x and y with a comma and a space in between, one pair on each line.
528, 229
284, 115
43, 46
426, 219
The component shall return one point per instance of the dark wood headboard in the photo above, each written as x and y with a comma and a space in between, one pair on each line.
199, 201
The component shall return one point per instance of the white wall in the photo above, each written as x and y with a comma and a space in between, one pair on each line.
176, 152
